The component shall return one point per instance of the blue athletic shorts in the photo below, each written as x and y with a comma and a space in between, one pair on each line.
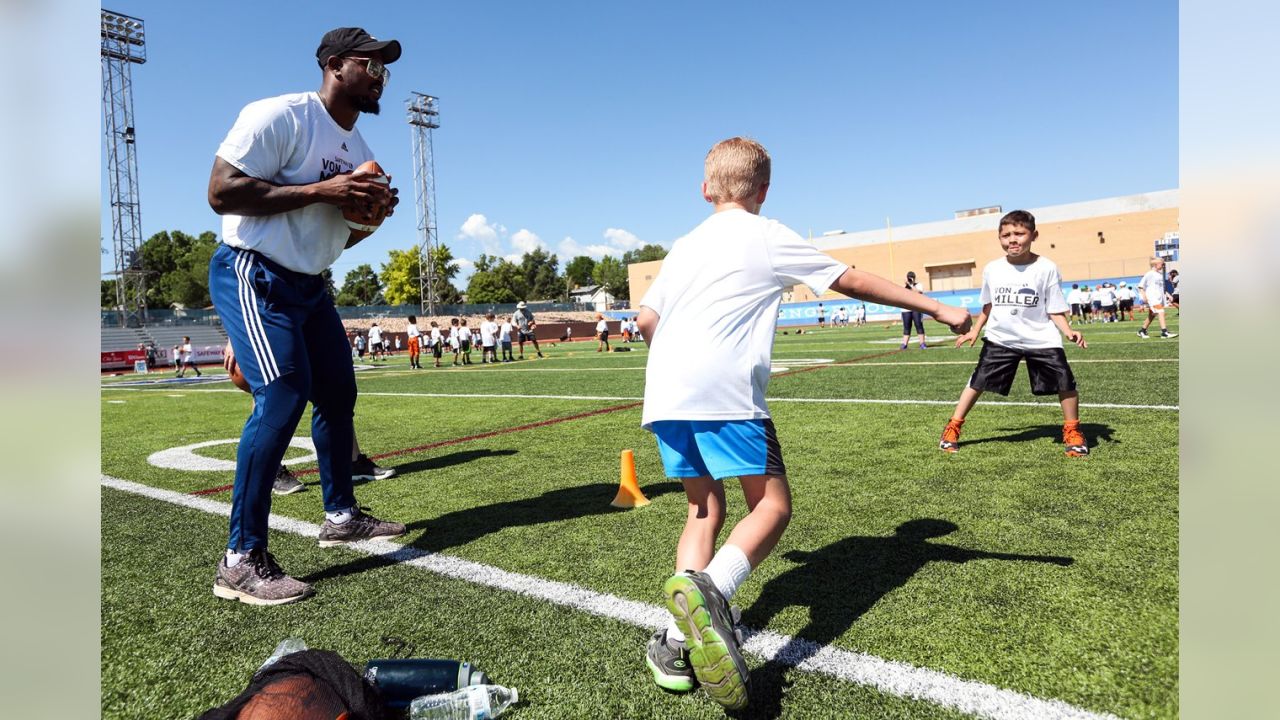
718, 448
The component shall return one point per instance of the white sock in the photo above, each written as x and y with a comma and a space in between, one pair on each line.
728, 569
340, 517
233, 558
673, 632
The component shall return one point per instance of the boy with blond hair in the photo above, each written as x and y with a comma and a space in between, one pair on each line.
1022, 298
719, 289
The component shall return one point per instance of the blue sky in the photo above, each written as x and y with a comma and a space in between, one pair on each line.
581, 126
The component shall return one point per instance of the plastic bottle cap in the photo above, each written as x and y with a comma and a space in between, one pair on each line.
515, 695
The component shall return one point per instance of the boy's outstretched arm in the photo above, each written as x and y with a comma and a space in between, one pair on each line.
647, 321
865, 286
1070, 333
978, 322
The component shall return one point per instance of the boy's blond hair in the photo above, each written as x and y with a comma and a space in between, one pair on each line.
736, 169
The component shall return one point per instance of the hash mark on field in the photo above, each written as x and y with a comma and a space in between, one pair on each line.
889, 676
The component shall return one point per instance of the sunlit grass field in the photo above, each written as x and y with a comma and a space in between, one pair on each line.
1026, 571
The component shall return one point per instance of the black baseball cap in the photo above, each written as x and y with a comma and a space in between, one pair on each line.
351, 39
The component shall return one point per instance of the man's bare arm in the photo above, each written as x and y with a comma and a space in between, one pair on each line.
233, 192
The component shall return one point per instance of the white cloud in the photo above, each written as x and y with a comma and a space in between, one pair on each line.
570, 249
527, 241
478, 228
620, 238
464, 265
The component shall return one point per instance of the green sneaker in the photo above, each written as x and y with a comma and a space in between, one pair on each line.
669, 663
704, 617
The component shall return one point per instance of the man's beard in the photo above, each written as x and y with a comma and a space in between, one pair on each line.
367, 105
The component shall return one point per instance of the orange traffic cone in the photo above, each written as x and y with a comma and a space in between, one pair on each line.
629, 494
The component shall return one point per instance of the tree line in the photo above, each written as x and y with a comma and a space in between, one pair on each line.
177, 274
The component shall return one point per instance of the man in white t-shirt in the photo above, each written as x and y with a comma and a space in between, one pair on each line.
718, 291
281, 180
1022, 298
187, 358
375, 341
1151, 290
415, 342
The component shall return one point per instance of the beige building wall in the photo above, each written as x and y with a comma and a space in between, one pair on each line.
1095, 239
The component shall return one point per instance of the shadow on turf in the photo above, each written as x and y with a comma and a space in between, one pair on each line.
1095, 433
444, 461
841, 582
463, 526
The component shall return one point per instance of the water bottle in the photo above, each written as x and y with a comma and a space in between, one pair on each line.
402, 680
475, 702
287, 646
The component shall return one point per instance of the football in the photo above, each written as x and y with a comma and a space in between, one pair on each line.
233, 368
362, 225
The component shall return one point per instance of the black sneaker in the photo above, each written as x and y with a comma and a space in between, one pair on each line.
359, 527
285, 483
669, 662
1167, 334
1143, 334
362, 468
257, 580
706, 620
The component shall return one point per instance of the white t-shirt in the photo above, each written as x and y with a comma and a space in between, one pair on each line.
1022, 297
1124, 293
1153, 285
504, 334
413, 331
488, 330
1075, 297
435, 336
1107, 297
292, 140
186, 352
602, 326
718, 291
375, 335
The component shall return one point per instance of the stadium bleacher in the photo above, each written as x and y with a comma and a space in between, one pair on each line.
162, 336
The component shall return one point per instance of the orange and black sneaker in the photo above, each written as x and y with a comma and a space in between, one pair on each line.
1073, 440
950, 441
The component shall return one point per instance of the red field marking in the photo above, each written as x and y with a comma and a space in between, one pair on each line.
456, 441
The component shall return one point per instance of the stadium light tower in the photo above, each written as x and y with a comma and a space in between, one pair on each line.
123, 44
423, 116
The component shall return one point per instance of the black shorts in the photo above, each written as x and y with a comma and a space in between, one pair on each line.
1108, 308
465, 345
1126, 305
997, 365
604, 336
1079, 309
437, 350
526, 336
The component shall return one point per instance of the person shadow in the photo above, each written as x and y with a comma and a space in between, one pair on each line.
1095, 433
840, 583
443, 461
460, 527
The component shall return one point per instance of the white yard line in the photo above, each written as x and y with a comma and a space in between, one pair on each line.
888, 676
621, 398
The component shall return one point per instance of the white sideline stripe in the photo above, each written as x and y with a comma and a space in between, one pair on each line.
889, 676
612, 398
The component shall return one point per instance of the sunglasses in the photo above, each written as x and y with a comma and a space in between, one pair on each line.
374, 67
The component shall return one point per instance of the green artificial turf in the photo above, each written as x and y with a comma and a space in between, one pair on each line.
1006, 563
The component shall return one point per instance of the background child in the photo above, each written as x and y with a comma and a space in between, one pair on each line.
504, 337
415, 348
602, 333
488, 339
436, 340
719, 290
1022, 298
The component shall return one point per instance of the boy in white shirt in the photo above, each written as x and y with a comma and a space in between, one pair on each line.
1022, 297
464, 341
504, 337
436, 340
1124, 300
488, 340
719, 290
1075, 299
415, 339
454, 339
375, 341
1151, 290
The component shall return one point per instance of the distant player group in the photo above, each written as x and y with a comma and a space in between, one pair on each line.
282, 179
